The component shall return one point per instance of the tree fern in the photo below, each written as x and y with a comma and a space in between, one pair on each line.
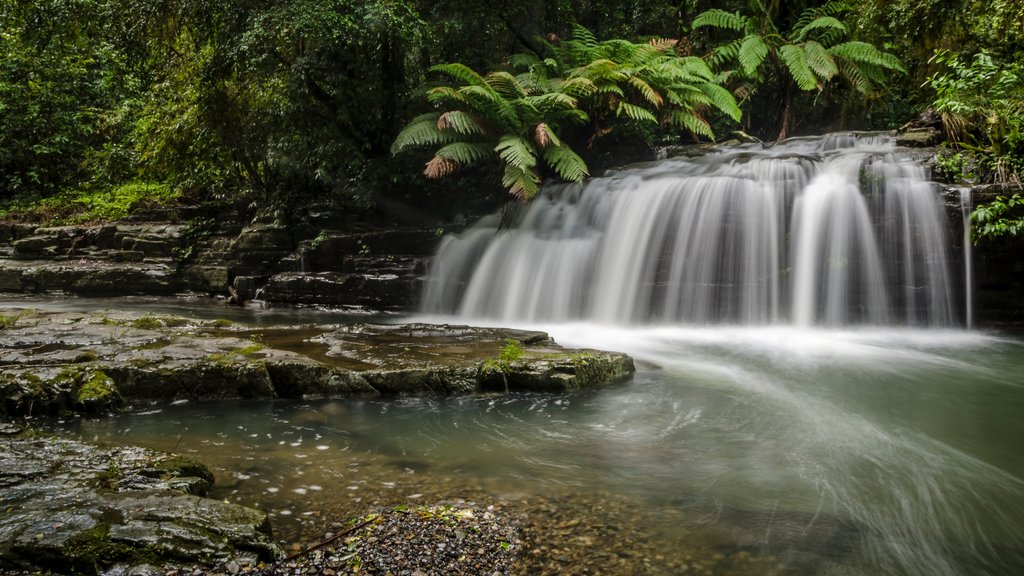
722, 99
421, 131
459, 121
752, 53
466, 153
650, 94
521, 183
460, 72
634, 112
566, 163
819, 60
824, 23
864, 53
516, 151
795, 60
693, 123
718, 18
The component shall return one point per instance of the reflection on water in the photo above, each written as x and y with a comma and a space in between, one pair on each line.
885, 452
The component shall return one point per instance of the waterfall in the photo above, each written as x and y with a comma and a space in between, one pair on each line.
832, 231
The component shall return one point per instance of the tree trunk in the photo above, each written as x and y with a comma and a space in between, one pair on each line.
787, 114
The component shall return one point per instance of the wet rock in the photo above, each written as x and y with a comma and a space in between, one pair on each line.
80, 509
91, 363
920, 137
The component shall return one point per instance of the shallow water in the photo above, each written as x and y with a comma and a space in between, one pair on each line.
830, 452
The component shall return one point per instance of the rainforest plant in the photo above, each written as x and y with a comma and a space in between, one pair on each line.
519, 115
812, 53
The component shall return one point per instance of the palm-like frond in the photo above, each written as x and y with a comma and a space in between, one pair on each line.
505, 84
718, 18
521, 183
421, 131
634, 112
693, 123
517, 151
466, 153
439, 167
819, 25
459, 121
650, 94
460, 72
795, 60
566, 163
752, 53
864, 53
722, 99
819, 60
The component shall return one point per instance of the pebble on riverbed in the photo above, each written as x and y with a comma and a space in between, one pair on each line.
416, 541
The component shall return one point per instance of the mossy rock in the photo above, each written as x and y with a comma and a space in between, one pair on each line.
96, 392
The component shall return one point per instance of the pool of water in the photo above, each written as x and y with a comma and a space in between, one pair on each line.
822, 451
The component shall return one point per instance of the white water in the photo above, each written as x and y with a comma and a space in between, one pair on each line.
833, 231
796, 311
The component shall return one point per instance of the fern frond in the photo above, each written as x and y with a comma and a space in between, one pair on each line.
795, 60
634, 112
726, 52
521, 183
718, 18
460, 72
439, 167
465, 153
649, 94
460, 122
578, 87
862, 52
566, 163
551, 101
855, 76
693, 123
441, 94
583, 36
692, 67
516, 151
505, 84
722, 99
421, 131
826, 23
524, 62
819, 60
752, 53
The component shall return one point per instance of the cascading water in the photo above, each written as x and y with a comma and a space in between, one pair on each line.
831, 231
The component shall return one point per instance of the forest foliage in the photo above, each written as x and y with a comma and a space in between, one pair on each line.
277, 102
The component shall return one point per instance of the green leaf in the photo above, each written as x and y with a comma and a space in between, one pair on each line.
822, 23
862, 52
566, 163
693, 123
649, 94
722, 99
521, 183
421, 131
460, 122
516, 151
718, 18
634, 112
752, 53
465, 153
460, 72
819, 60
795, 60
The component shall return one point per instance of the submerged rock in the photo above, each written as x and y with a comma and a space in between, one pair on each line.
75, 508
92, 362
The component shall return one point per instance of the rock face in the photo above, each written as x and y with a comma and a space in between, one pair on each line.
91, 362
380, 270
75, 508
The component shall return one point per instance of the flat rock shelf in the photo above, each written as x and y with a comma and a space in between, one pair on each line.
88, 362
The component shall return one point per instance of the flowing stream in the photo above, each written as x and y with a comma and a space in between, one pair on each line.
807, 390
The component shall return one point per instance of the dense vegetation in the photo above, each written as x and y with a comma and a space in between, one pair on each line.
108, 105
